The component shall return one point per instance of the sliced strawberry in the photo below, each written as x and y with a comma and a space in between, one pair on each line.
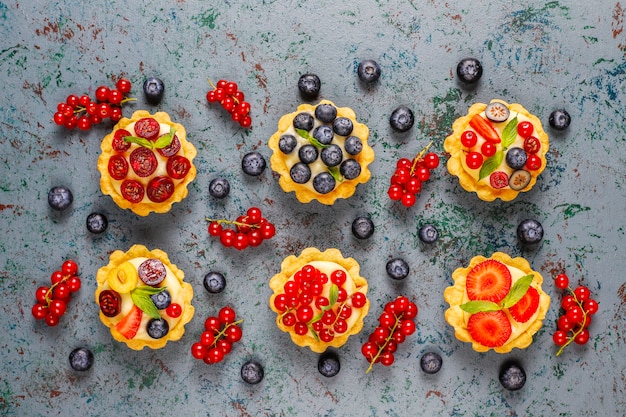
484, 128
490, 328
490, 280
524, 309
129, 325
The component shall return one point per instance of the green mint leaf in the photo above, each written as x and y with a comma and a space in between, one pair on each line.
141, 298
333, 294
517, 291
165, 140
310, 138
139, 141
491, 164
335, 173
474, 307
509, 134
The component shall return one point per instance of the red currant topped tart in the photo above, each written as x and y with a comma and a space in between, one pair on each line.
497, 150
496, 303
143, 298
319, 298
146, 163
321, 152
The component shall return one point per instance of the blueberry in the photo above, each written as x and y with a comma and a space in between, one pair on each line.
559, 119
97, 223
529, 231
161, 300
309, 86
512, 376
252, 372
81, 359
516, 157
308, 153
342, 126
324, 134
362, 227
332, 155
325, 112
350, 169
368, 71
300, 173
157, 328
219, 187
214, 282
428, 233
431, 362
328, 364
60, 198
287, 143
402, 119
353, 145
469, 70
253, 163
323, 183
303, 121
153, 88
397, 268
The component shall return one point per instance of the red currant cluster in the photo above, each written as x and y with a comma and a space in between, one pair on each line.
395, 324
83, 113
232, 100
250, 229
52, 301
577, 307
219, 335
406, 182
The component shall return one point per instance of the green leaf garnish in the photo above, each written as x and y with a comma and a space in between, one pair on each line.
141, 298
333, 295
491, 164
310, 138
139, 141
517, 291
509, 134
478, 306
162, 142
335, 173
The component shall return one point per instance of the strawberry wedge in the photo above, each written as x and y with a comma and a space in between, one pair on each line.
491, 328
484, 128
129, 325
524, 309
490, 280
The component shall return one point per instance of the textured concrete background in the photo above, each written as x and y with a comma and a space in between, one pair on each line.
544, 55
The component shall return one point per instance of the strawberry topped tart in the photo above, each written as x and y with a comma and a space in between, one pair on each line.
496, 303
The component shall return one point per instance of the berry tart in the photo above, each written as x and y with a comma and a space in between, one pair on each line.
146, 163
319, 298
321, 152
496, 303
143, 298
497, 150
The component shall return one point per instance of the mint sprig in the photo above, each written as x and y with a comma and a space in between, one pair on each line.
162, 142
141, 298
335, 173
517, 291
311, 139
509, 134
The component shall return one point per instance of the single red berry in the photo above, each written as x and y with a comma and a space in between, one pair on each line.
305, 313
207, 338
289, 319
84, 100
559, 337
533, 162
591, 306
473, 160
411, 311
422, 174
41, 293
431, 160
301, 328
404, 163
245, 121
268, 230
59, 118
212, 324
115, 96
574, 314
51, 320
227, 237
116, 114
488, 149
338, 277
61, 291
39, 311
57, 307
83, 123
215, 228
369, 350
408, 199
358, 299
123, 85
241, 241
224, 345
582, 337
227, 315
525, 129
582, 293
198, 350
407, 327
564, 324
561, 281
72, 100
210, 96
254, 215
387, 358
395, 192
230, 88
102, 93
532, 145
174, 310
469, 139
215, 355
567, 301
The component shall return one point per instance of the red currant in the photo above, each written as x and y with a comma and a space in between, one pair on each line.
532, 145
488, 149
473, 160
525, 129
39, 311
561, 281
227, 315
358, 299
207, 338
233, 333
198, 350
408, 199
469, 139
431, 160
214, 355
533, 162
395, 192
174, 310
574, 314
567, 301
582, 337
115, 96
102, 93
41, 294
563, 323
591, 306
582, 293
123, 85
212, 324
560, 337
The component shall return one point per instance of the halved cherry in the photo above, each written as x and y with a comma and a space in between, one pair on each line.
132, 191
178, 166
143, 161
532, 144
147, 128
118, 167
160, 189
525, 129
171, 149
499, 179
118, 142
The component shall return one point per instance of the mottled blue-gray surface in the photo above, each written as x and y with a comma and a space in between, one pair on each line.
544, 55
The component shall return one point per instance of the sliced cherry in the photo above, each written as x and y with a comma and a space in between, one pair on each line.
160, 189
118, 167
499, 179
110, 303
152, 271
532, 144
147, 128
178, 166
171, 149
143, 161
118, 142
132, 191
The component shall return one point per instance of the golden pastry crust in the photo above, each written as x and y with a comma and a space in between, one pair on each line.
522, 335
293, 264
110, 186
468, 177
185, 294
305, 193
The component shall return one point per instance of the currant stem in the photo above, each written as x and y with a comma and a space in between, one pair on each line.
223, 331
419, 158
382, 348
233, 222
49, 292
581, 328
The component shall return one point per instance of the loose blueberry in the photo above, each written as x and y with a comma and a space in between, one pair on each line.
161, 300
214, 282
368, 71
97, 223
342, 126
402, 119
512, 376
253, 163
287, 143
81, 359
303, 121
362, 227
153, 88
469, 70
60, 198
308, 153
300, 173
332, 155
559, 119
353, 145
397, 268
350, 169
325, 112
328, 364
428, 233
309, 86
157, 328
431, 362
324, 183
252, 372
219, 187
324, 134
516, 157
529, 231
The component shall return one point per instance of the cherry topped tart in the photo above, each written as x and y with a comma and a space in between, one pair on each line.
496, 303
146, 163
321, 152
143, 298
497, 150
320, 298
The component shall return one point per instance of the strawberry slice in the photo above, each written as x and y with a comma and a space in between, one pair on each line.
524, 309
484, 128
489, 328
129, 325
490, 280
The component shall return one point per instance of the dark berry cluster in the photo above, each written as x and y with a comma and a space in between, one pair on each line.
227, 93
220, 332
52, 301
406, 181
250, 229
